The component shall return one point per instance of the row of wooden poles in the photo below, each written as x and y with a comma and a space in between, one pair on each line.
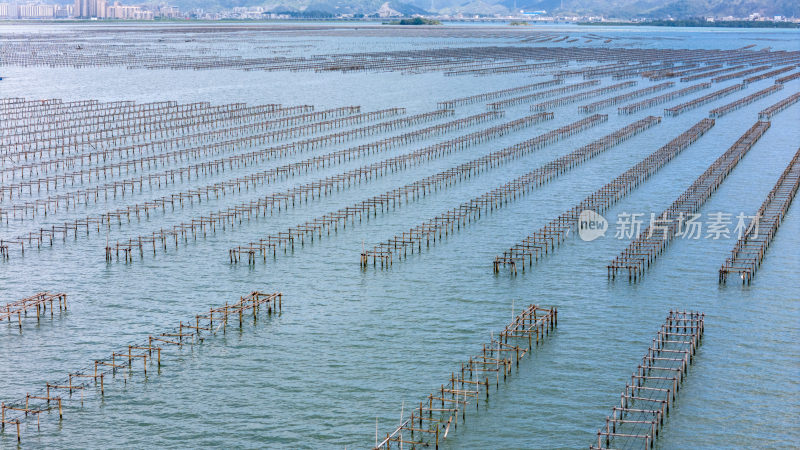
749, 250
254, 179
600, 104
471, 210
675, 72
688, 69
429, 424
451, 60
770, 74
206, 142
211, 167
718, 94
651, 242
40, 112
549, 83
628, 61
53, 230
184, 124
30, 117
231, 162
788, 78
394, 197
136, 141
17, 412
678, 109
700, 101
532, 68
485, 66
38, 301
744, 101
629, 69
222, 131
127, 155
628, 109
183, 143
767, 113
712, 74
461, 101
317, 188
46, 233
192, 139
105, 169
156, 57
207, 168
110, 49
145, 164
634, 71
51, 127
646, 401
441, 59
743, 73
80, 175
653, 101
652, 61
547, 238
561, 101
269, 36
527, 98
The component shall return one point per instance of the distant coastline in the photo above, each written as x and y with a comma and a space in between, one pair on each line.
700, 23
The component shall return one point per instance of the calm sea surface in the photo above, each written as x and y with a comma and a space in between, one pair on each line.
353, 345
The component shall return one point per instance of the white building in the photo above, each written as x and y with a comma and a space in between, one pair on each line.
89, 8
9, 11
168, 12
126, 12
34, 11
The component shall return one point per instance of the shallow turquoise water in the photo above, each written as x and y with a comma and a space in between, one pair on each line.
353, 345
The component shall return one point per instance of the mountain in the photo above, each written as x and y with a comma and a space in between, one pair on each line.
621, 9
336, 7
682, 9
332, 7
